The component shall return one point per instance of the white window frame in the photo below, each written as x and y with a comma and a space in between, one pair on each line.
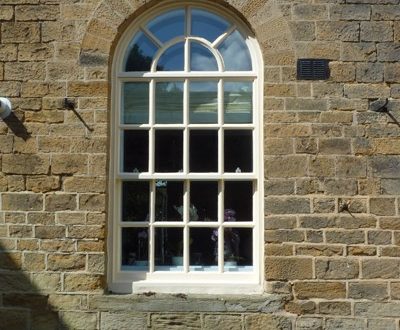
193, 282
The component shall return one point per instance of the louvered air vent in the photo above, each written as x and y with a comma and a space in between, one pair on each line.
312, 69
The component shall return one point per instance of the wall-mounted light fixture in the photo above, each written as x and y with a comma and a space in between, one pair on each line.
5, 107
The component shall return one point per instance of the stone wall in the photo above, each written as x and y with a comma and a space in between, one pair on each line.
332, 169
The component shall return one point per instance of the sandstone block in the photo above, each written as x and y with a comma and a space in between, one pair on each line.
385, 166
34, 261
92, 202
336, 269
49, 232
66, 262
376, 291
134, 320
279, 187
87, 88
376, 31
81, 184
69, 164
323, 290
25, 164
376, 309
42, 183
343, 324
286, 166
60, 202
288, 268
287, 205
302, 30
350, 12
24, 71
380, 268
22, 202
267, 322
335, 308
14, 318
345, 237
388, 51
82, 282
278, 236
80, 320
96, 232
377, 324
20, 32
308, 12
369, 72
382, 206
340, 187
378, 237
383, 12
337, 30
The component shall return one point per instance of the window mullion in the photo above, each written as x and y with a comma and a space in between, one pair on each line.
220, 229
151, 226
186, 238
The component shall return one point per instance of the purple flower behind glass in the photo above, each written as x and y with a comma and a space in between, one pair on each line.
229, 215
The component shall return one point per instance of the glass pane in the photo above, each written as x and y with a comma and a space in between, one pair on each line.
168, 151
203, 154
169, 249
238, 102
169, 102
201, 59
238, 155
203, 249
204, 200
135, 201
140, 53
169, 200
135, 249
235, 53
168, 25
207, 25
238, 201
135, 103
238, 251
136, 151
203, 102
172, 58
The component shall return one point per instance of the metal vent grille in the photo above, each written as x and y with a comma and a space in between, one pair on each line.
312, 69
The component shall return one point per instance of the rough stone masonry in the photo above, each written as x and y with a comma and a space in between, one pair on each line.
332, 170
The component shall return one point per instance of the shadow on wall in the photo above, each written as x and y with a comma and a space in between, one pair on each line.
23, 305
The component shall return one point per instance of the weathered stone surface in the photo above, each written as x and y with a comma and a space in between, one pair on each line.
336, 269
368, 290
25, 164
287, 205
376, 309
66, 262
380, 268
288, 268
123, 320
335, 308
342, 324
324, 290
82, 282
80, 320
267, 322
22, 202
60, 202
14, 318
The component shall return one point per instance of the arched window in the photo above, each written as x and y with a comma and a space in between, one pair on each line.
186, 154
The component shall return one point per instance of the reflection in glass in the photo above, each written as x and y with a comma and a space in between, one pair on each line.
135, 201
169, 102
135, 103
168, 151
238, 249
168, 25
203, 102
238, 155
136, 151
140, 52
201, 59
207, 25
238, 102
239, 199
203, 151
135, 249
203, 250
204, 199
235, 53
169, 200
172, 58
169, 249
